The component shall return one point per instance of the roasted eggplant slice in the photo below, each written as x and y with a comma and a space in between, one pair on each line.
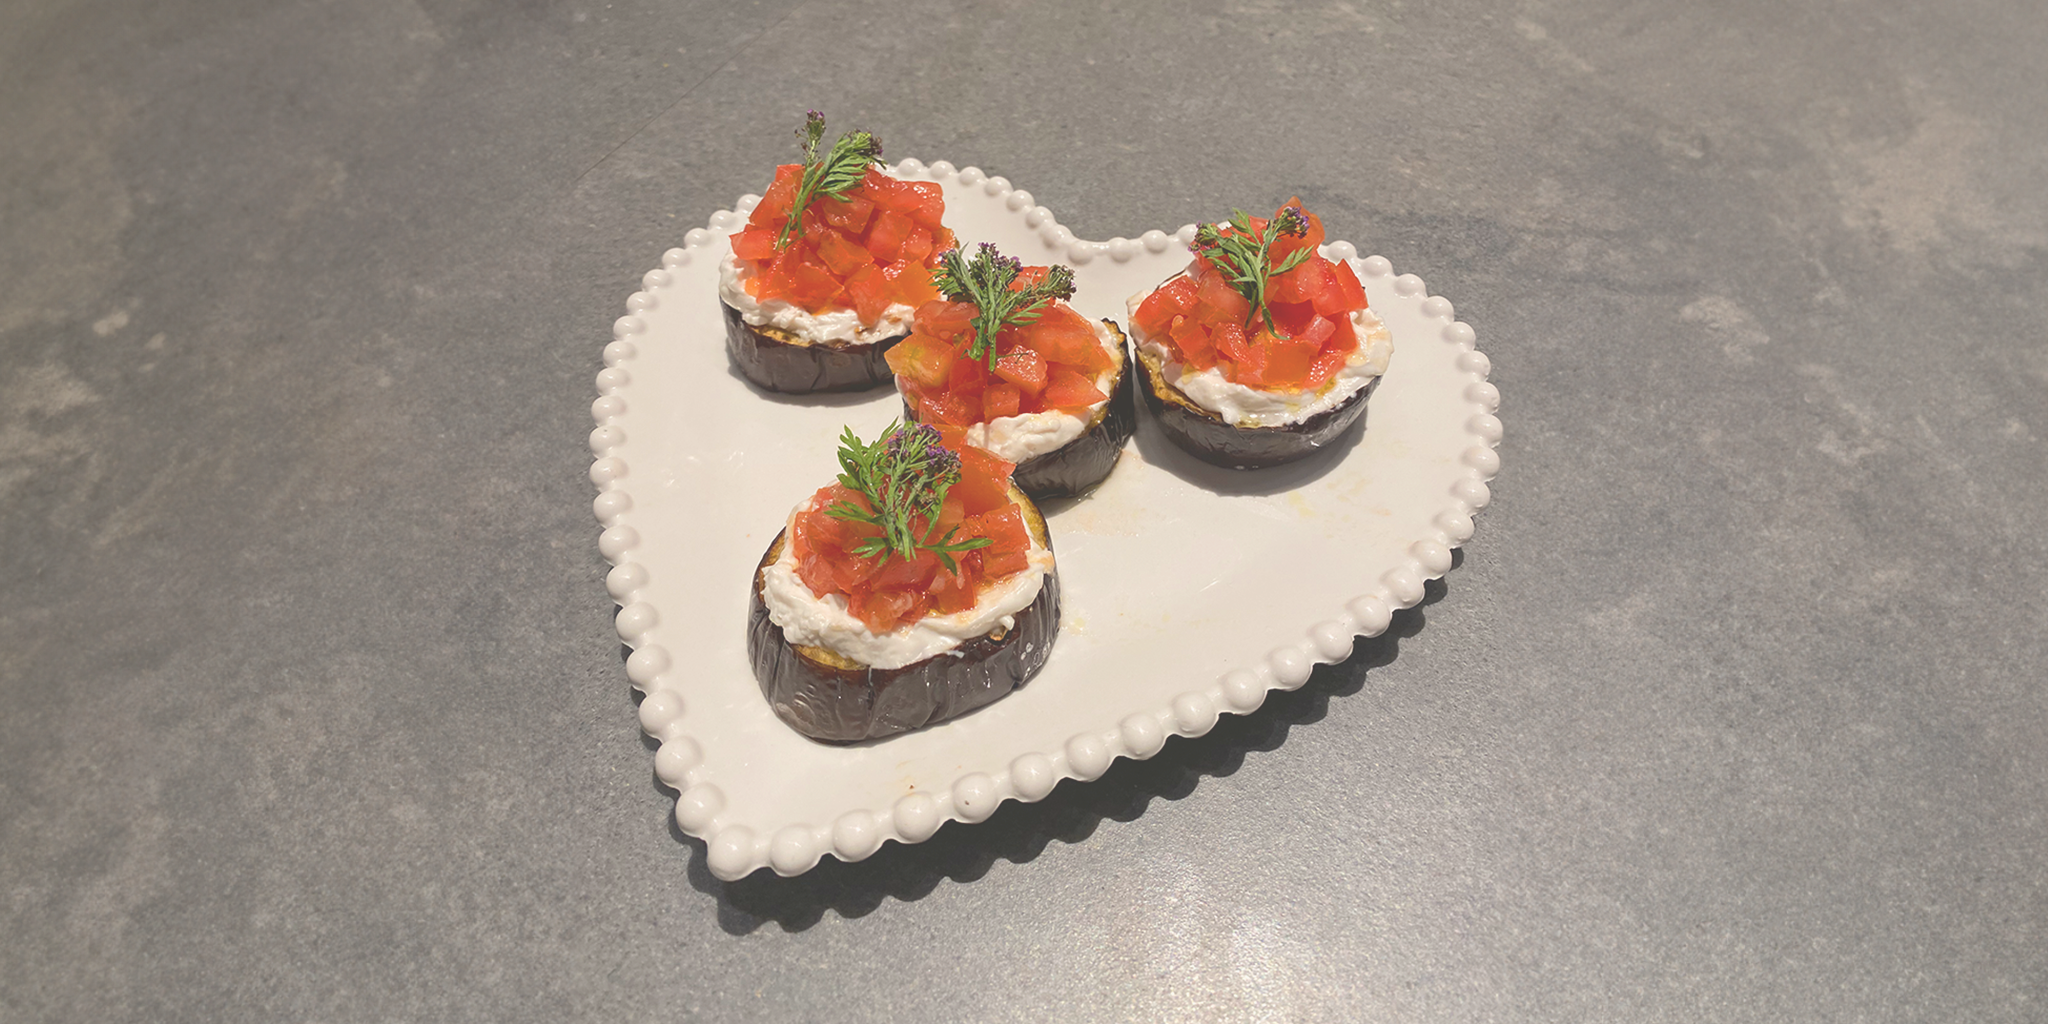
828, 696
777, 360
1076, 467
1205, 435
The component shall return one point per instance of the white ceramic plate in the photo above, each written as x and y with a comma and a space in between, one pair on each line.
1189, 591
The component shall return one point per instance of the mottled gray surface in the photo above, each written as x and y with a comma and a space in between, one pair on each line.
1734, 710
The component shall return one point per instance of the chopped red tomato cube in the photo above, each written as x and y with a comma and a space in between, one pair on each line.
1302, 284
1000, 400
1062, 336
1216, 301
917, 245
984, 481
1287, 362
1024, 368
849, 214
885, 237
754, 244
869, 290
1291, 318
922, 359
968, 376
1346, 284
946, 320
812, 288
910, 283
1318, 331
842, 255
955, 409
1230, 341
1070, 391
1325, 366
1156, 313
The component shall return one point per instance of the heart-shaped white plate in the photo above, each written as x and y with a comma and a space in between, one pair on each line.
1189, 591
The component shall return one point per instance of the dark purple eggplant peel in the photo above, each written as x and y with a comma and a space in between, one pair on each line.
777, 360
828, 696
1204, 434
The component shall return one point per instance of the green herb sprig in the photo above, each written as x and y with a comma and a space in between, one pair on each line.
904, 474
1245, 256
842, 168
985, 281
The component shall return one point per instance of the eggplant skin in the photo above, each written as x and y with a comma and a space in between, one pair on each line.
776, 360
1203, 434
1074, 468
830, 697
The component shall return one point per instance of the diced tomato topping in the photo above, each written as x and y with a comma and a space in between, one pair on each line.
998, 564
887, 592
1228, 337
917, 245
922, 359
754, 244
914, 572
1351, 293
1024, 368
1063, 336
984, 480
1250, 362
1325, 366
1287, 361
954, 592
1199, 343
1217, 302
895, 195
868, 288
1010, 543
1318, 331
1156, 313
1301, 284
841, 254
881, 223
885, 239
1070, 391
1000, 400
1291, 318
1286, 245
1029, 360
1203, 319
967, 377
849, 214
776, 203
812, 287
946, 320
957, 410
932, 207
910, 283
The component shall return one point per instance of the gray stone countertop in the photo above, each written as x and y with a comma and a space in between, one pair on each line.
1733, 711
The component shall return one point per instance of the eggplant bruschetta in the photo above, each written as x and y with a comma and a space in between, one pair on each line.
918, 587
1262, 351
829, 268
1003, 363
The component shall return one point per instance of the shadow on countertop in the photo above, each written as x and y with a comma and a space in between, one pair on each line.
1019, 832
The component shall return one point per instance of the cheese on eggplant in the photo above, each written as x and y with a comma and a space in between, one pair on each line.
808, 620
1242, 406
1024, 436
841, 325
